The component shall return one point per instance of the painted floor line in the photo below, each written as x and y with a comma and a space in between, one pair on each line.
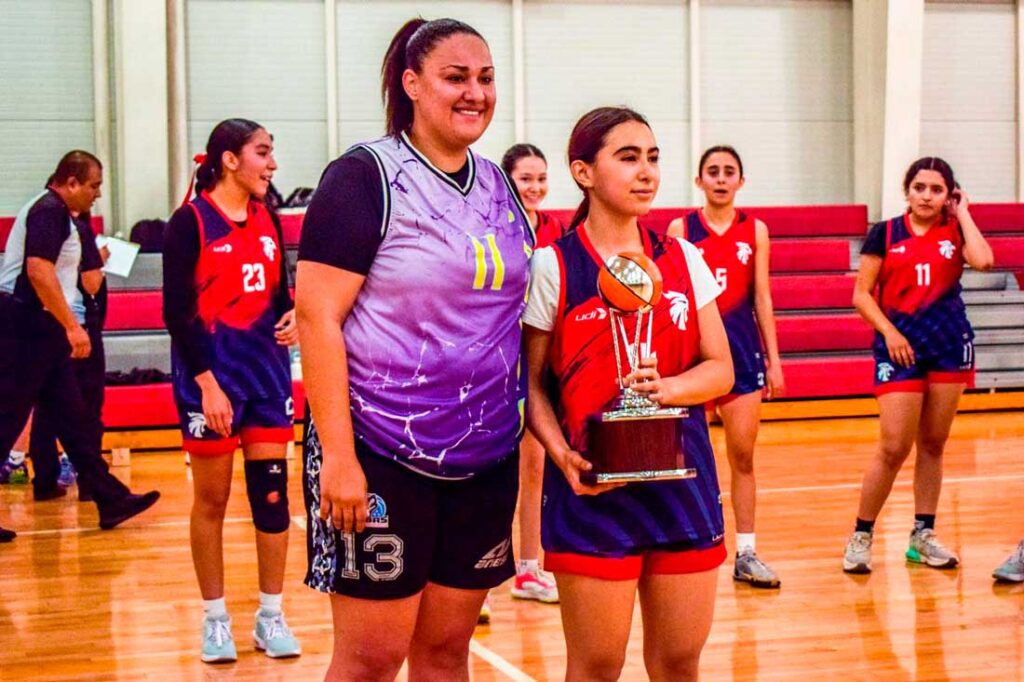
499, 663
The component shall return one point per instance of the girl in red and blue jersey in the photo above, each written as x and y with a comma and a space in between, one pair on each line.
923, 348
526, 165
735, 246
606, 542
228, 309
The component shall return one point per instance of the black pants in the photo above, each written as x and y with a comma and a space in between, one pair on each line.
36, 371
90, 374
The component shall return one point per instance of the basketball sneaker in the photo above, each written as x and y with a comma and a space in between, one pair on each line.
218, 643
1012, 570
925, 548
537, 585
858, 553
15, 474
272, 636
485, 611
750, 569
67, 475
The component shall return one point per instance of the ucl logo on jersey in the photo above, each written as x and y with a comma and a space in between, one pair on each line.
595, 314
885, 371
269, 248
679, 308
743, 252
947, 249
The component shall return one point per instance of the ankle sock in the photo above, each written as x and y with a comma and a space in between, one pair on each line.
215, 608
864, 526
270, 604
16, 457
527, 566
746, 541
922, 521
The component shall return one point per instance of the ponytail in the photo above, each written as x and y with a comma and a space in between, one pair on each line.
581, 213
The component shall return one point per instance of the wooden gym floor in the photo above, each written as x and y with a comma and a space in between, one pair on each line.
81, 604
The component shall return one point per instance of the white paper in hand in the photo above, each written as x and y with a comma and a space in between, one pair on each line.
122, 255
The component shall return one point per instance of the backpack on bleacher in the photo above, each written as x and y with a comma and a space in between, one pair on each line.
149, 235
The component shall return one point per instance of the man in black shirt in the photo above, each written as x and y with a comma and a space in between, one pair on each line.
40, 335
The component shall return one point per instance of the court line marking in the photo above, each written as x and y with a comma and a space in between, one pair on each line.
898, 484
499, 663
300, 521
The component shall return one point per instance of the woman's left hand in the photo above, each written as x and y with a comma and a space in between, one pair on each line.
646, 381
776, 387
286, 331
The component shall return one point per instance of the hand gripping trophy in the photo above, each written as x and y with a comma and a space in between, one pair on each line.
638, 440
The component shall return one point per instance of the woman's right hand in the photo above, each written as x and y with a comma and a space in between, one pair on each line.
899, 348
572, 465
343, 495
216, 407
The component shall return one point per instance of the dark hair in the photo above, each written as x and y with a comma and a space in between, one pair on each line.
227, 136
519, 151
932, 163
75, 164
724, 148
587, 139
410, 46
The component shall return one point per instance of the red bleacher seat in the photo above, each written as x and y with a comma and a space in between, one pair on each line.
812, 292
810, 255
7, 222
291, 227
1009, 252
807, 333
830, 377
135, 310
152, 406
998, 217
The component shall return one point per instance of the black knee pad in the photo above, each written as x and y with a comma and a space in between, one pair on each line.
266, 482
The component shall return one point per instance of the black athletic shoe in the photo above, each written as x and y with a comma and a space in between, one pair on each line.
7, 535
125, 508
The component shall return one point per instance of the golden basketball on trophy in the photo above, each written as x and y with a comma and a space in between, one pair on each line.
637, 440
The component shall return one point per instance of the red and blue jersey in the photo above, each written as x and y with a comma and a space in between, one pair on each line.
919, 283
548, 229
582, 360
731, 256
237, 278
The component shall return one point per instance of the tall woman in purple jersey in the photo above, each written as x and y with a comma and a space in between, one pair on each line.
736, 248
606, 543
229, 312
412, 276
924, 351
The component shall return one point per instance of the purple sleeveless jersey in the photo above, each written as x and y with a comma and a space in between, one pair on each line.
434, 337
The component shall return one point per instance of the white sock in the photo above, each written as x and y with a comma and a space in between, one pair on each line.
16, 457
527, 565
215, 608
270, 604
745, 541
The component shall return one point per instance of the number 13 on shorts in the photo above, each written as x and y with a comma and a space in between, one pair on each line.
387, 564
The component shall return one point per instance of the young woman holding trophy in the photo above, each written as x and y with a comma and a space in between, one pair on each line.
621, 519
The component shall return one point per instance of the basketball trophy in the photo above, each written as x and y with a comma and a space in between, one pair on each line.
638, 440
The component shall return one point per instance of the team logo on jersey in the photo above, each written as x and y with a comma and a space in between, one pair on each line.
679, 308
289, 407
898, 249
269, 248
223, 248
885, 371
377, 511
497, 557
947, 249
196, 424
598, 313
274, 469
743, 252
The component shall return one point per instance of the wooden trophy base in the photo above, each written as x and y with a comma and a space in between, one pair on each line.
626, 446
